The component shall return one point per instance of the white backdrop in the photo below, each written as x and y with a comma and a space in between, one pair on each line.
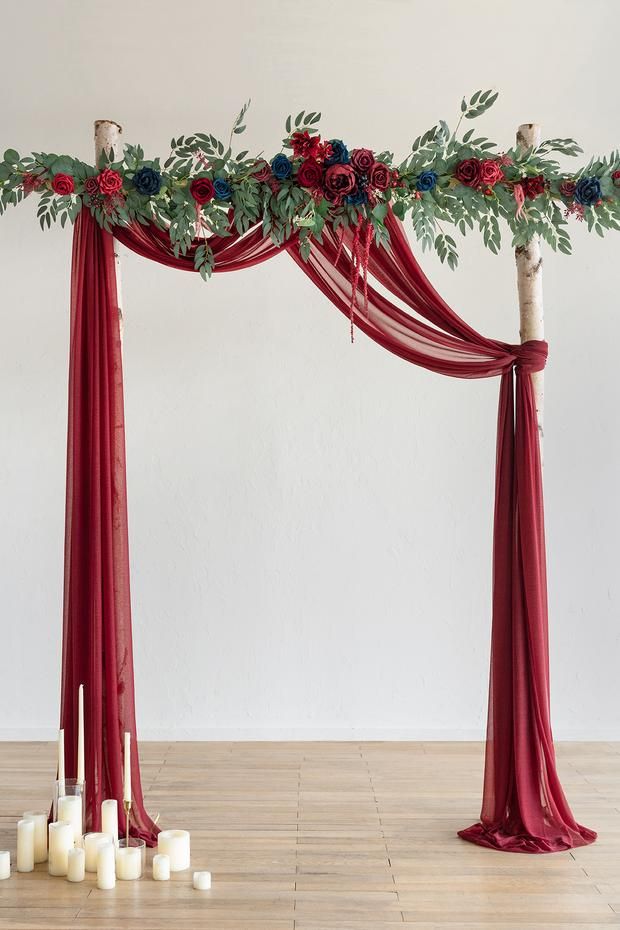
310, 522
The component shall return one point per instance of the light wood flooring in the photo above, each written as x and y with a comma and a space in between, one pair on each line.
329, 836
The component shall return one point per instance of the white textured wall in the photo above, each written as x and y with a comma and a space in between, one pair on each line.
310, 522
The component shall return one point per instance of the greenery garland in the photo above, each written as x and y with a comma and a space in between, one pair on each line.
203, 188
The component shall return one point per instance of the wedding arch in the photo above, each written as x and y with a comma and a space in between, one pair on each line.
338, 214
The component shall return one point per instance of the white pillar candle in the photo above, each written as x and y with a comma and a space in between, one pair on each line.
109, 818
5, 864
60, 842
76, 865
80, 745
161, 867
127, 768
202, 881
25, 845
128, 863
175, 844
61, 762
70, 810
39, 818
106, 871
92, 841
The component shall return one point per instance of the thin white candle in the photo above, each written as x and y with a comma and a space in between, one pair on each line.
70, 810
175, 843
202, 881
5, 864
127, 761
161, 867
92, 841
109, 818
80, 746
106, 871
39, 818
25, 845
60, 842
61, 762
76, 865
128, 863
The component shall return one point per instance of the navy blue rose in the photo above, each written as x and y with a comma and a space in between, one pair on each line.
357, 197
588, 191
281, 167
340, 153
222, 189
426, 181
147, 181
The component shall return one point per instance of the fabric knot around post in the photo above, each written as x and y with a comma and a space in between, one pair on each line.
531, 356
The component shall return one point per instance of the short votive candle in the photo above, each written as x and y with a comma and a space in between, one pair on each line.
175, 844
76, 865
70, 810
106, 865
92, 841
25, 845
5, 864
60, 842
202, 881
39, 818
161, 867
109, 818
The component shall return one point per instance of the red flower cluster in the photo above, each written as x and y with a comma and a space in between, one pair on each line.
534, 187
479, 173
308, 146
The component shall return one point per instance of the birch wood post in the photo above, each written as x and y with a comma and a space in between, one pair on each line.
529, 282
108, 138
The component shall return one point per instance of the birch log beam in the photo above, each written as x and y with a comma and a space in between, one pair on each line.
529, 283
108, 139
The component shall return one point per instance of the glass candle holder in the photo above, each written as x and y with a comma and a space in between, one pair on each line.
130, 859
69, 805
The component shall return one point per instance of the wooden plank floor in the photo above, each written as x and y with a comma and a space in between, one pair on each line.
329, 836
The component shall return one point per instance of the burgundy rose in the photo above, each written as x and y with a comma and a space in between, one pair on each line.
63, 184
340, 179
110, 182
380, 176
202, 190
333, 197
616, 178
468, 172
490, 172
567, 188
91, 186
310, 173
263, 172
362, 160
533, 187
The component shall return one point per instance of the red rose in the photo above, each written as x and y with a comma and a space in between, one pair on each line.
340, 179
202, 190
63, 184
490, 172
305, 145
362, 160
468, 172
262, 171
380, 176
309, 173
109, 181
616, 178
333, 197
533, 187
567, 189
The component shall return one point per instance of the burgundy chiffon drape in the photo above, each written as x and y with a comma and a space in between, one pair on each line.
524, 808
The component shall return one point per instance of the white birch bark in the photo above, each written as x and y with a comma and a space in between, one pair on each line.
529, 283
108, 137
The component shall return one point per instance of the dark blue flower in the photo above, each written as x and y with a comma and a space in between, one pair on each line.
147, 181
281, 167
357, 197
426, 181
223, 190
340, 153
588, 191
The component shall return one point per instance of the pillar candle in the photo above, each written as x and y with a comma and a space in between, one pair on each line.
61, 762
60, 842
109, 818
106, 872
91, 843
25, 845
128, 863
202, 881
80, 745
5, 864
70, 810
127, 768
39, 818
76, 865
161, 867
175, 844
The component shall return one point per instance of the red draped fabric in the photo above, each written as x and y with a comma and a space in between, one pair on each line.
524, 808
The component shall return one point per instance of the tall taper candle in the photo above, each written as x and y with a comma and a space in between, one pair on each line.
127, 761
61, 762
80, 746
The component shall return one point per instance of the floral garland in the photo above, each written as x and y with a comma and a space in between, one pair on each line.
203, 188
